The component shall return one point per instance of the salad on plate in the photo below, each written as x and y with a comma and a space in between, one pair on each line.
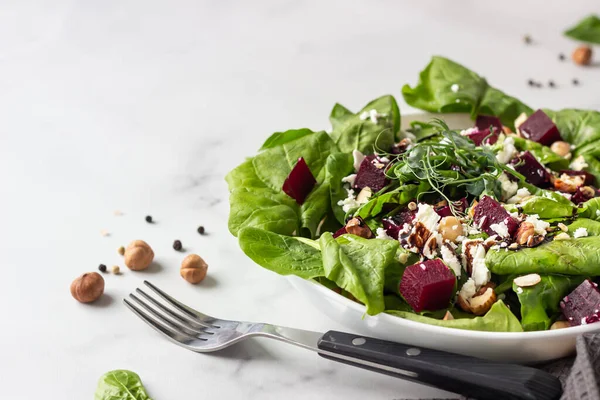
494, 227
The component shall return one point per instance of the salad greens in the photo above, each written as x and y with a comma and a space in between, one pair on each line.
121, 384
389, 206
587, 30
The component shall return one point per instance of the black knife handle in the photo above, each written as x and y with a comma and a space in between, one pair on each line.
469, 376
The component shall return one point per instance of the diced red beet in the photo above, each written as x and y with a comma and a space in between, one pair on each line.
488, 211
393, 225
584, 194
479, 136
428, 285
588, 179
484, 122
540, 128
299, 182
582, 305
535, 173
340, 232
445, 211
370, 175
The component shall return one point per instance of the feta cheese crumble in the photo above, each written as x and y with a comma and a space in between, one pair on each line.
480, 273
578, 164
454, 87
427, 216
501, 229
580, 232
373, 115
538, 225
349, 179
349, 203
382, 234
509, 188
508, 151
358, 159
521, 194
451, 259
469, 131
468, 290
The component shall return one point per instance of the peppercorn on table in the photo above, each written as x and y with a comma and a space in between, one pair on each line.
120, 121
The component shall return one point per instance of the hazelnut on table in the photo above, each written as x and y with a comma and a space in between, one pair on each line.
193, 268
582, 55
138, 255
88, 287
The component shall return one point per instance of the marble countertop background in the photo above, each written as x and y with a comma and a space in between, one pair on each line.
143, 106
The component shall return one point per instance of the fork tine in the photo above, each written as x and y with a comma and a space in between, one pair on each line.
205, 319
177, 337
180, 317
169, 321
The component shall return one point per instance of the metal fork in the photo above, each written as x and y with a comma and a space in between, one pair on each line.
468, 376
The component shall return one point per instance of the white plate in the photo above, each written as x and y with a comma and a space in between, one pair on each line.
518, 347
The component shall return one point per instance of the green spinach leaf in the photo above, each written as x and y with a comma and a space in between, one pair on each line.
540, 302
280, 138
286, 255
435, 92
498, 319
402, 195
590, 209
358, 265
355, 132
581, 128
121, 385
592, 227
586, 30
568, 257
338, 166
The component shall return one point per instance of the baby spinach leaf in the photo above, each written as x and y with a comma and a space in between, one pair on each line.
286, 255
546, 208
592, 227
435, 92
586, 30
580, 128
402, 195
280, 138
423, 130
540, 302
568, 257
351, 132
121, 385
338, 166
498, 319
590, 209
358, 265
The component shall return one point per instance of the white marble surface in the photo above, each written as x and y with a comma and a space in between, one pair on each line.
143, 106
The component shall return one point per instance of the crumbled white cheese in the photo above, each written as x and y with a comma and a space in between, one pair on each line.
539, 225
349, 179
364, 115
521, 194
474, 231
427, 216
597, 213
469, 131
501, 229
384, 159
382, 234
481, 222
578, 164
480, 273
508, 151
562, 236
509, 188
358, 159
373, 115
451, 259
567, 196
461, 239
519, 290
468, 290
349, 203
580, 232
454, 87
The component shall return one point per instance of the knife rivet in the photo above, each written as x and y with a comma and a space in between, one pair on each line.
413, 352
359, 341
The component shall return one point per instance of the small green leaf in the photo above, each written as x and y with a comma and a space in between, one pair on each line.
121, 385
586, 30
280, 138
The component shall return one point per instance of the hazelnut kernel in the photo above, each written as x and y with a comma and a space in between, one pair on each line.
582, 55
88, 287
138, 255
193, 268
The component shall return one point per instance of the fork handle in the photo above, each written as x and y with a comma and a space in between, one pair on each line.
469, 376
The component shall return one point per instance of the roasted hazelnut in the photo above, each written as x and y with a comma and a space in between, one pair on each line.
484, 288
582, 55
193, 268
138, 255
481, 304
357, 227
560, 325
562, 149
450, 228
506, 130
88, 287
568, 184
524, 233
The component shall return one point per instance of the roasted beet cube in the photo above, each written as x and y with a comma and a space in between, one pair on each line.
535, 173
445, 211
582, 305
372, 174
393, 225
588, 179
484, 136
340, 232
583, 194
489, 122
299, 182
488, 212
428, 285
540, 128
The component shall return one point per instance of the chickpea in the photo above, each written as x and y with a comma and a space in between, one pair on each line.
563, 149
450, 228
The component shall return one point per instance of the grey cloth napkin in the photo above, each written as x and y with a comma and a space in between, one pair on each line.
580, 374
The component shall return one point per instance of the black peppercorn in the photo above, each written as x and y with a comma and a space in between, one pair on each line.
177, 245
531, 82
149, 219
102, 268
561, 57
527, 39
201, 230
575, 82
551, 84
